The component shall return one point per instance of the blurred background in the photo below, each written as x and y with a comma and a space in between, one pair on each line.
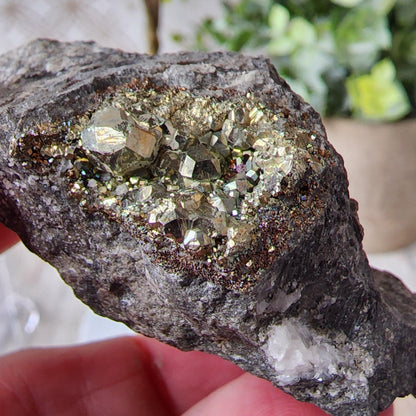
122, 25
354, 60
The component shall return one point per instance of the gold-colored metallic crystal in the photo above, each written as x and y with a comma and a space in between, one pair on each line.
144, 193
187, 167
193, 169
103, 135
103, 139
141, 142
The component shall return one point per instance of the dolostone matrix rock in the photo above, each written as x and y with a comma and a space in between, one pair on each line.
195, 198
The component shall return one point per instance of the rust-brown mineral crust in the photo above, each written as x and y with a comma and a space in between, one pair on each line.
195, 198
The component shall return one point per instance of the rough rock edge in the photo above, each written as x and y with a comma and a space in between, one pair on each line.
377, 318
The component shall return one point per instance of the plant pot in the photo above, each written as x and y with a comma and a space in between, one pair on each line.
381, 163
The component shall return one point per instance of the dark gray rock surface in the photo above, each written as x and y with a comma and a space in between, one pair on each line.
266, 271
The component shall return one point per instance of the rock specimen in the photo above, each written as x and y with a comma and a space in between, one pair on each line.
195, 198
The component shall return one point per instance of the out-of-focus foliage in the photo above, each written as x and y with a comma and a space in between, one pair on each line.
378, 93
346, 57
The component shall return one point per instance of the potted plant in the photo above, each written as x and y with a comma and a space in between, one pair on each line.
355, 62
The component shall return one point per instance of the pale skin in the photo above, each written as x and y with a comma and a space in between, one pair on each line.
134, 376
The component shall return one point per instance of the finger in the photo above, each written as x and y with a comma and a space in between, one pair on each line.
248, 395
7, 238
388, 412
107, 378
118, 377
189, 376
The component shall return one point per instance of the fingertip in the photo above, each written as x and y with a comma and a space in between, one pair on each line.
8, 238
388, 412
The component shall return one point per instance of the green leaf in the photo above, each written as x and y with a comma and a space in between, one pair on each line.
240, 40
309, 64
378, 95
384, 71
360, 37
217, 35
301, 31
278, 19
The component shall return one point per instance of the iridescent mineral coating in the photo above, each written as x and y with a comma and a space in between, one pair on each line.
199, 177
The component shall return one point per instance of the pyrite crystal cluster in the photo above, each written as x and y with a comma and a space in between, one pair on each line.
196, 198
197, 177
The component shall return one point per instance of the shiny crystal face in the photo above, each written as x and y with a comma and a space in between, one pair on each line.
192, 175
199, 171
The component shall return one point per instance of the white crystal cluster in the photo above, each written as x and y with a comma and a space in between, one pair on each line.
298, 353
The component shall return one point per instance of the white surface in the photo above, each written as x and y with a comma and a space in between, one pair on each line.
94, 328
119, 24
37, 283
401, 263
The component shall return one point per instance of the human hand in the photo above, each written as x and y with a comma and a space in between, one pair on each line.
135, 376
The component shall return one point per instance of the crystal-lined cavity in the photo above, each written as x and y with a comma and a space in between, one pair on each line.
204, 174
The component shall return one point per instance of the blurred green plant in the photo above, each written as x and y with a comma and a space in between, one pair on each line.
346, 57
